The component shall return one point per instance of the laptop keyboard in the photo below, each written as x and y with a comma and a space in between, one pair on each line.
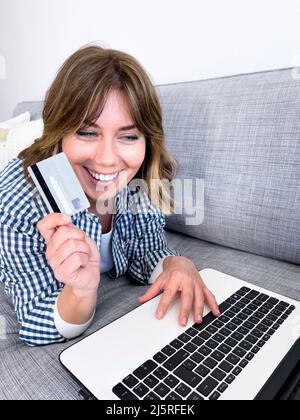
202, 362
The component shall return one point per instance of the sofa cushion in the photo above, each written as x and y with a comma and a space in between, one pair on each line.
241, 135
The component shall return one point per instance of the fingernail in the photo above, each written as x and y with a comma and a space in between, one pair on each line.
183, 322
160, 315
66, 218
199, 319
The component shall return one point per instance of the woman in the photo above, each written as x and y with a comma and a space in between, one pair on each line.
103, 113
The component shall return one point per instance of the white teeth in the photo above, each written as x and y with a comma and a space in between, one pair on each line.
101, 177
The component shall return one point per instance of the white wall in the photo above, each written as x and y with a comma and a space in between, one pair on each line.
175, 40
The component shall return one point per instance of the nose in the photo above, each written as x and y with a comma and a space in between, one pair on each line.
106, 153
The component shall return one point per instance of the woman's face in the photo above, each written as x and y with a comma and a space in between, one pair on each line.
108, 154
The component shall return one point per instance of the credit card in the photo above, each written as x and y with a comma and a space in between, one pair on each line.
58, 185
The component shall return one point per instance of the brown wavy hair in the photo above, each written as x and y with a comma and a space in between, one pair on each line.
77, 97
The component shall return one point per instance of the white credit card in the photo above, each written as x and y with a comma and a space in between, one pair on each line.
58, 185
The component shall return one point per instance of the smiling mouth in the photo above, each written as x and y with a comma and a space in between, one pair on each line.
96, 177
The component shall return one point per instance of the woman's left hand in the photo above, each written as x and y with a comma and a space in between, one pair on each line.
181, 276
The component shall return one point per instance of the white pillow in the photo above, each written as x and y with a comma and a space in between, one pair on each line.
13, 122
19, 138
5, 128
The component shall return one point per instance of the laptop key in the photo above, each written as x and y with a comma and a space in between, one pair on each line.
205, 335
123, 393
231, 326
160, 357
151, 381
162, 390
190, 347
192, 332
144, 370
202, 370
252, 339
198, 341
243, 331
222, 388
215, 396
218, 375
224, 306
237, 321
257, 333
141, 390
224, 348
171, 381
207, 386
245, 345
233, 359
250, 356
242, 316
130, 381
237, 336
151, 397
183, 390
195, 397
237, 371
224, 319
191, 378
173, 397
197, 357
168, 350
211, 329
160, 373
225, 332
230, 379
176, 359
243, 363
226, 366
184, 337
205, 350
217, 355
262, 327
255, 349
219, 338
212, 344
261, 343
230, 342
238, 351
262, 297
177, 344
189, 364
209, 362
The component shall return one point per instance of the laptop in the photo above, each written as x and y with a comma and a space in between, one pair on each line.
250, 352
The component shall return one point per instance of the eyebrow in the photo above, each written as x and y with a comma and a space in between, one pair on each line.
127, 127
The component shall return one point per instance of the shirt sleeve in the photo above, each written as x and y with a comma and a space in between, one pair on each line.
66, 329
28, 279
149, 247
157, 271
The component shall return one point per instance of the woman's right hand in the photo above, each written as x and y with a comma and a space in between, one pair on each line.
72, 255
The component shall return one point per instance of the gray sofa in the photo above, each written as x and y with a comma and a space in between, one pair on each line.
241, 134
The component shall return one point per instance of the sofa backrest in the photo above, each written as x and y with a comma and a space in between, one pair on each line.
240, 135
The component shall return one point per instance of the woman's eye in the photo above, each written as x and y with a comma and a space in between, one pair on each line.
129, 138
87, 134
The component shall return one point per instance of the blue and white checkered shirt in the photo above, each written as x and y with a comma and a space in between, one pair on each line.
138, 244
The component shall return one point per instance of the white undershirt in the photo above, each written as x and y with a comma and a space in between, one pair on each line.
68, 330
